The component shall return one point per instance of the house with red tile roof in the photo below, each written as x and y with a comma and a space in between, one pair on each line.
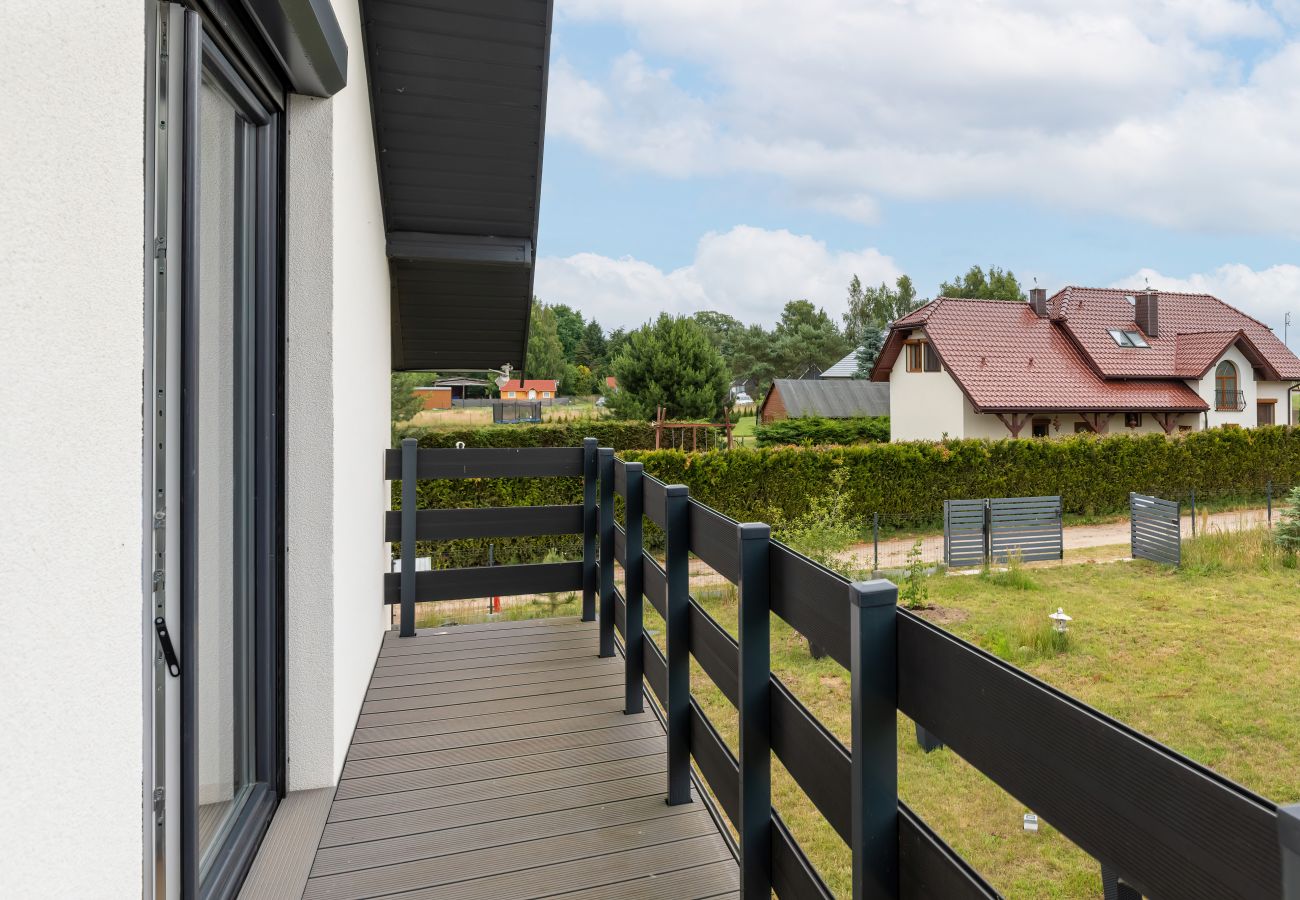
529, 389
1084, 360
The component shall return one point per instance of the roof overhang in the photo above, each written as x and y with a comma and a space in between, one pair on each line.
458, 95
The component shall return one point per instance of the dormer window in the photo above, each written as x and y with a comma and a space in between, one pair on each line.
1128, 338
922, 358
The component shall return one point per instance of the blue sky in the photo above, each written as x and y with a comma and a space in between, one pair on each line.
708, 154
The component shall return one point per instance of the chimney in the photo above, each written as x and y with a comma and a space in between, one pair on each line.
1146, 312
1038, 301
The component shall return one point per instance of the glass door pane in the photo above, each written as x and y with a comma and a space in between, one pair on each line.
224, 477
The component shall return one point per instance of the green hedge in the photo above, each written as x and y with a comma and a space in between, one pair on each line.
817, 430
610, 432
906, 483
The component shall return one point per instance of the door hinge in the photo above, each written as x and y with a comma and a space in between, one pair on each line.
165, 641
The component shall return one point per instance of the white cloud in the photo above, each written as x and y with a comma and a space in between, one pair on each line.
1124, 106
1267, 294
747, 272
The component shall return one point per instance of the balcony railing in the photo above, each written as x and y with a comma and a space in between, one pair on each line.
1160, 824
1229, 401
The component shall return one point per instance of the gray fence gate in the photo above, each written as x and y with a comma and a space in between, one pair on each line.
991, 530
1030, 526
1156, 527
965, 532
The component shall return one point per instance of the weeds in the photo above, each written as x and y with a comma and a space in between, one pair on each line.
826, 529
1029, 640
1218, 551
1013, 576
914, 594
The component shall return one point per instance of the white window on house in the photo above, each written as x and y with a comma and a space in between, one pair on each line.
921, 357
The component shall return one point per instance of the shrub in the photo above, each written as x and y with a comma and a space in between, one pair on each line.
621, 435
914, 594
817, 430
1287, 533
825, 529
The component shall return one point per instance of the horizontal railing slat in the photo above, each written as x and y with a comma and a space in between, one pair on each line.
654, 583
1171, 827
716, 651
928, 869
819, 763
793, 876
720, 769
656, 498
656, 671
487, 581
714, 540
479, 522
813, 600
489, 462
620, 545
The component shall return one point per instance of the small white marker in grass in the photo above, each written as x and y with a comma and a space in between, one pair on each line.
1031, 822
1061, 619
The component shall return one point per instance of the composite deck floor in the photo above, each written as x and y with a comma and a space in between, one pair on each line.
495, 761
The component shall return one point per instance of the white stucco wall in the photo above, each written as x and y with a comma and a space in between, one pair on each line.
987, 425
1276, 390
72, 316
337, 399
1246, 418
923, 406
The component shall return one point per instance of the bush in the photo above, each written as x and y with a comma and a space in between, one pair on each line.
1287, 533
825, 530
914, 594
817, 430
614, 433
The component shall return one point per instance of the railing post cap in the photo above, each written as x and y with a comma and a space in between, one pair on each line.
754, 531
633, 466
675, 490
1288, 827
589, 442
409, 442
606, 451
876, 592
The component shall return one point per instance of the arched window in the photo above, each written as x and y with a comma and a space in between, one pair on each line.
1225, 386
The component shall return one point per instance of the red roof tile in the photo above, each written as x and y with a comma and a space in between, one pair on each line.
1089, 313
530, 384
1005, 357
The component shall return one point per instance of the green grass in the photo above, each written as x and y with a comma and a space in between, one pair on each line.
1201, 659
743, 431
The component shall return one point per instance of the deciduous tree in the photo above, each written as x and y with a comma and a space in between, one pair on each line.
996, 285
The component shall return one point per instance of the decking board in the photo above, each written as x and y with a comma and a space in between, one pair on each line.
495, 761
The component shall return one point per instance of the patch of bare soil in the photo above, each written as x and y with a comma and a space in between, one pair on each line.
943, 615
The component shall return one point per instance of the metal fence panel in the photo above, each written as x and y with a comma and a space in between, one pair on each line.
964, 533
1030, 526
1156, 529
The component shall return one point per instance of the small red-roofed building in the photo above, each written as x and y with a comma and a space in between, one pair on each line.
529, 389
1083, 360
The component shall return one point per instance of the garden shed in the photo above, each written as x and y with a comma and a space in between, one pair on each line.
790, 398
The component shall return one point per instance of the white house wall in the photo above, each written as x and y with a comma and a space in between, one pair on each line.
337, 398
72, 313
1246, 418
923, 406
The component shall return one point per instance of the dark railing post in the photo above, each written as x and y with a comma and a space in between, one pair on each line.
873, 652
589, 476
410, 500
633, 588
927, 741
1113, 888
755, 820
875, 543
606, 589
1192, 503
677, 640
1269, 489
1288, 833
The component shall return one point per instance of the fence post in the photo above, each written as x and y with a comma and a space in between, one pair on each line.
1193, 505
677, 638
1113, 888
1269, 489
755, 820
988, 529
410, 501
589, 475
633, 588
1132, 526
873, 652
1288, 833
605, 463
927, 741
875, 543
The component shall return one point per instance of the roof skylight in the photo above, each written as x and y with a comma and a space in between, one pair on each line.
1128, 338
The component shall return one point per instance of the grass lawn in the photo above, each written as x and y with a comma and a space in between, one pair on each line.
1203, 659
743, 432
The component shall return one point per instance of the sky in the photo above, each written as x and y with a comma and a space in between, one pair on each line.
736, 154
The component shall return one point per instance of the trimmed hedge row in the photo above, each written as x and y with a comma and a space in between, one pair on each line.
818, 430
620, 435
906, 483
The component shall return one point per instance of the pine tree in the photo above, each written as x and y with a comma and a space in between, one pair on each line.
1287, 532
670, 363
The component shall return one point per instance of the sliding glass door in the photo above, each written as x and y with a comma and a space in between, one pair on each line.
230, 462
